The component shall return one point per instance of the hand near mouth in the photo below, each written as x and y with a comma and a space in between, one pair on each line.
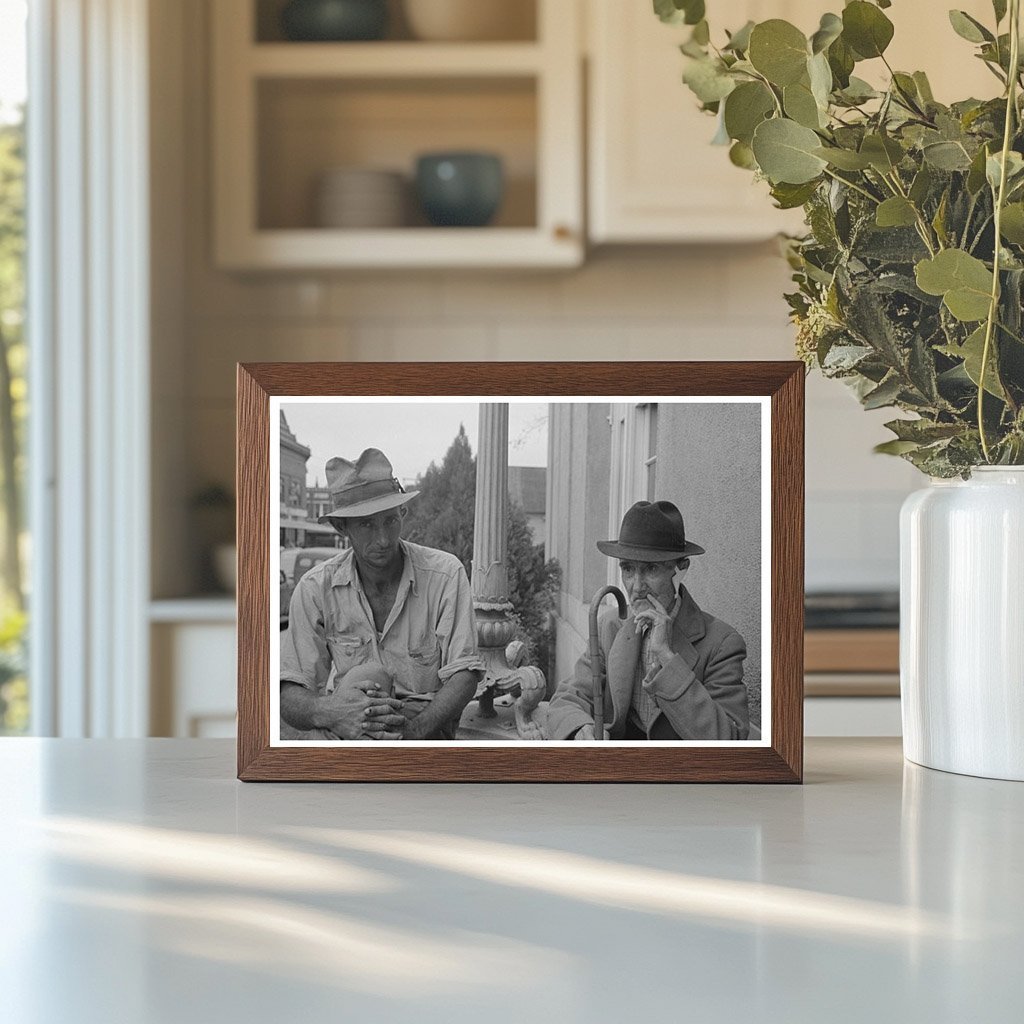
657, 620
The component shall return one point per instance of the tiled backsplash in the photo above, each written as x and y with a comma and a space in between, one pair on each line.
705, 303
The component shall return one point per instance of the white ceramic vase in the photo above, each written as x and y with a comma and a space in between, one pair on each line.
962, 624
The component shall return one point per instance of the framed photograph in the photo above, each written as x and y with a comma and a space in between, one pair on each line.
520, 572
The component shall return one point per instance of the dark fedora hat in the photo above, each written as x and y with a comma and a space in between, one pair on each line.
651, 531
363, 487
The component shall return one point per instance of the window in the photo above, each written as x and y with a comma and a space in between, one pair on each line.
14, 702
633, 471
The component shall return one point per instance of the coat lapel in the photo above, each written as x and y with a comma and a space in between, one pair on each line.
689, 621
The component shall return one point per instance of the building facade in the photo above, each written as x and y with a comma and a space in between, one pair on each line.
704, 457
299, 526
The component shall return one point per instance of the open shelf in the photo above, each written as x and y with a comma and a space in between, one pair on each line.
306, 128
393, 60
287, 113
519, 23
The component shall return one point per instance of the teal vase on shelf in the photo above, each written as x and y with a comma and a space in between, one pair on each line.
334, 20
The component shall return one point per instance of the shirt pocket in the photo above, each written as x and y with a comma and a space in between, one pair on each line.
347, 651
424, 663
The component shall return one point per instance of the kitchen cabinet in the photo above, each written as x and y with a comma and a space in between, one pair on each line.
653, 175
287, 113
192, 654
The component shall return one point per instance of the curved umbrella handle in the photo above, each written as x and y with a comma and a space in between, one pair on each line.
596, 669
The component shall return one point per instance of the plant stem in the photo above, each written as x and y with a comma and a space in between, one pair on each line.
855, 187
922, 225
993, 309
1012, 334
768, 85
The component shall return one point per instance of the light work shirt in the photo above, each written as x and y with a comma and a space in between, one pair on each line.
430, 633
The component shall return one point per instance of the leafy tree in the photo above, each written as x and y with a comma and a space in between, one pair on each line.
12, 349
13, 408
442, 517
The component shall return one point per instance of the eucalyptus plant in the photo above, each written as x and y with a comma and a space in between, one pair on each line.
910, 277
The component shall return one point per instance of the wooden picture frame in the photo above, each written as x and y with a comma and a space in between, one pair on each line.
778, 386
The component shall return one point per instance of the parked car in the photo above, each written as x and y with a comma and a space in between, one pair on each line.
295, 563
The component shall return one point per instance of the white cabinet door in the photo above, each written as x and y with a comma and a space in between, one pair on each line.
653, 174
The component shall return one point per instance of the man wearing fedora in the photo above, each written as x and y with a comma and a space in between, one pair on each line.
381, 640
673, 672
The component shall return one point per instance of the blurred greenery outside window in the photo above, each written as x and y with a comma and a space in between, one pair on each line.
14, 690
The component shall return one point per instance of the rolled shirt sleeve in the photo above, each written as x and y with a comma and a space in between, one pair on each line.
456, 629
305, 657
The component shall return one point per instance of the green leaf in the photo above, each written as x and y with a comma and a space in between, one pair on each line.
701, 33
694, 11
866, 29
971, 352
963, 281
789, 197
999, 7
946, 156
841, 60
968, 28
924, 88
844, 159
668, 12
1014, 169
830, 28
739, 41
679, 12
906, 88
976, 175
859, 91
820, 76
778, 50
896, 212
883, 153
895, 447
939, 220
707, 80
800, 105
1011, 226
923, 431
785, 152
885, 394
742, 155
921, 185
745, 108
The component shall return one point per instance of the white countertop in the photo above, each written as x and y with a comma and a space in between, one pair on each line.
143, 884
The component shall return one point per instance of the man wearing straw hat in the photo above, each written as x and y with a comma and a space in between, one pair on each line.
381, 640
674, 672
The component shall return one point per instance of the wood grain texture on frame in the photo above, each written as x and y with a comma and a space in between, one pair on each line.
783, 382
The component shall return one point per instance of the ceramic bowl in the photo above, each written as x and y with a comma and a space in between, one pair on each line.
360, 197
334, 20
468, 20
460, 189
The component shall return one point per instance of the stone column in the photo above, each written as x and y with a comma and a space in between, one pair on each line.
490, 576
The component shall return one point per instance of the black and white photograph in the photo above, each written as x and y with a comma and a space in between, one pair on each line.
563, 570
